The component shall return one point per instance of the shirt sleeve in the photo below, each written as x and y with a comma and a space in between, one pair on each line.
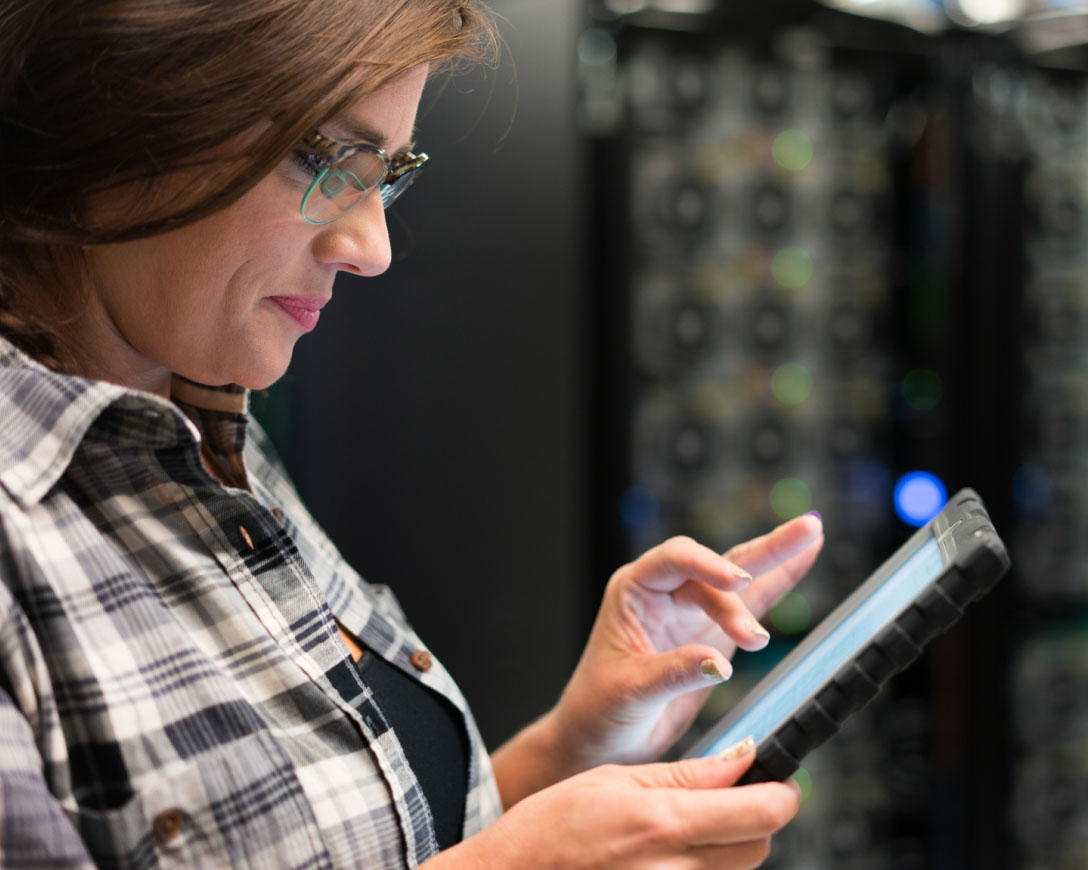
34, 830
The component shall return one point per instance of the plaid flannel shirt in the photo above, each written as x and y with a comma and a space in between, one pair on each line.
173, 688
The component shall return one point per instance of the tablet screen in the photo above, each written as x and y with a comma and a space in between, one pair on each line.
809, 673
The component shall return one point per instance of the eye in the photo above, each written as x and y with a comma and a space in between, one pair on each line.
310, 163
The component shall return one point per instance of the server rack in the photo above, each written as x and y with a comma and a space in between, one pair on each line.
831, 251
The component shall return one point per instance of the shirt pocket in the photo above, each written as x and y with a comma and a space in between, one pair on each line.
239, 805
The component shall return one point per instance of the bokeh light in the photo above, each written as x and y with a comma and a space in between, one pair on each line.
804, 780
790, 498
792, 150
791, 383
919, 496
791, 615
792, 267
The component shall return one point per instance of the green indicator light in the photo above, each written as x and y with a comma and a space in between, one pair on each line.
791, 383
804, 779
792, 615
790, 498
792, 150
922, 389
792, 267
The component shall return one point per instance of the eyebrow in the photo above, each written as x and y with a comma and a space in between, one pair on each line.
354, 133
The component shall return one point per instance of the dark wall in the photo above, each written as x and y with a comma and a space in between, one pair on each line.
437, 414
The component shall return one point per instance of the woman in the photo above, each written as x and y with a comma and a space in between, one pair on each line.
190, 675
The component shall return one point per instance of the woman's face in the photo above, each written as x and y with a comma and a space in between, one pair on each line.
225, 299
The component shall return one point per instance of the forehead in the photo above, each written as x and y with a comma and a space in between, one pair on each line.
385, 117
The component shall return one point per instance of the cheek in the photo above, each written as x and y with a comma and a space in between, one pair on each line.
165, 293
201, 284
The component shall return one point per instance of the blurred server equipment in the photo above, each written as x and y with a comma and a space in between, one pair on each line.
835, 252
749, 281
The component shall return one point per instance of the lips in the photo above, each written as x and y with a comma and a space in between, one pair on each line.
303, 310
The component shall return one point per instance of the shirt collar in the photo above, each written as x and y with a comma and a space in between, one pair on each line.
44, 416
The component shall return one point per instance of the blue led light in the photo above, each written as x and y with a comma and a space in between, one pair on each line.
919, 496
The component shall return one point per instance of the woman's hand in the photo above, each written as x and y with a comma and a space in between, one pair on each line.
677, 816
667, 627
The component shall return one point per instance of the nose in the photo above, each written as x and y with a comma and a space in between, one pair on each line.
358, 242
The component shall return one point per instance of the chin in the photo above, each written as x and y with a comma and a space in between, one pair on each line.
261, 380
263, 376
252, 374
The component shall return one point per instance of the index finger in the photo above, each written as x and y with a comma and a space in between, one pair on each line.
773, 584
767, 552
670, 565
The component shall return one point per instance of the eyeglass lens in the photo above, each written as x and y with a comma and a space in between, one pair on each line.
343, 185
390, 192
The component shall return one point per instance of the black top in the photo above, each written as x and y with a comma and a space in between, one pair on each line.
432, 733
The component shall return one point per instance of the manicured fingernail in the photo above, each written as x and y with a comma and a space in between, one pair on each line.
709, 669
816, 514
755, 628
738, 571
738, 750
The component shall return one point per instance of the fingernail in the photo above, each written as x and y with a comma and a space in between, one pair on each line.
755, 628
709, 669
816, 514
738, 571
738, 750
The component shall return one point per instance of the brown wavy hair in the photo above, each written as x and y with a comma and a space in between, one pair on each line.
95, 94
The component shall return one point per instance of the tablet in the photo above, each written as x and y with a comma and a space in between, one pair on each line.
876, 632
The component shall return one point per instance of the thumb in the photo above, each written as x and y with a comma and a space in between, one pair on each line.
715, 771
682, 670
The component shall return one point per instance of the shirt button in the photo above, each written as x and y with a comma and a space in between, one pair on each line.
167, 825
421, 660
277, 513
245, 535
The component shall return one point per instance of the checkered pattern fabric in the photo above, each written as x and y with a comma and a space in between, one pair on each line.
173, 688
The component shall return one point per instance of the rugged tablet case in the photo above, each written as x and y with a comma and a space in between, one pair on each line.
974, 560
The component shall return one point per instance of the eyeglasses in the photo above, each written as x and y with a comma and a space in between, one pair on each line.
347, 173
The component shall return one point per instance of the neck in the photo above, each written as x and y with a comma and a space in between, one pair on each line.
90, 342
101, 352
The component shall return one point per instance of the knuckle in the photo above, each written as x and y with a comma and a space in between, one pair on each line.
627, 686
771, 816
678, 548
682, 555
680, 542
659, 829
685, 771
678, 675
603, 773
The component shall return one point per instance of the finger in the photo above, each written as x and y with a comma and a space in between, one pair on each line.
729, 611
741, 856
772, 585
681, 670
671, 564
781, 544
735, 815
712, 772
